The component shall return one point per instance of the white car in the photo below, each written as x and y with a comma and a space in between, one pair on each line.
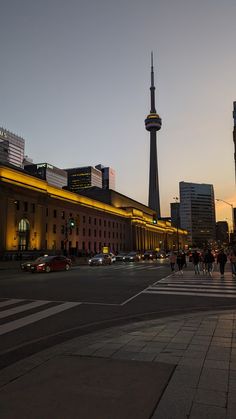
113, 258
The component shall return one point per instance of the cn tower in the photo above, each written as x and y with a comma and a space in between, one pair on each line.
234, 137
153, 124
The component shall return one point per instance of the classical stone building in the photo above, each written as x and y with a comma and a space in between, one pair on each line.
37, 216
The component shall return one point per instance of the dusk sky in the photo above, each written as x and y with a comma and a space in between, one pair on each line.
75, 79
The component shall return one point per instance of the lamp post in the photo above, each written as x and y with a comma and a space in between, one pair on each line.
177, 226
232, 209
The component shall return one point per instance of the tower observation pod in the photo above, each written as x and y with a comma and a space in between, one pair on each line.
153, 124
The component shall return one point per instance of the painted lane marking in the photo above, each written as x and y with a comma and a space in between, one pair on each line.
24, 321
24, 307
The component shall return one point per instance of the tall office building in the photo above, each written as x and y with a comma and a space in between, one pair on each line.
108, 177
197, 212
12, 148
153, 124
175, 214
234, 136
83, 177
53, 175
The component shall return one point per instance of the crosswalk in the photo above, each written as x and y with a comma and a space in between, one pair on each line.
138, 266
30, 312
200, 286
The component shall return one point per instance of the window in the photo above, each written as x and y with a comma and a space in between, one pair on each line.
62, 229
109, 224
89, 220
77, 231
100, 221
83, 231
95, 221
84, 219
55, 213
95, 233
17, 204
105, 223
54, 228
63, 215
100, 233
46, 228
32, 208
89, 232
25, 206
109, 234
104, 234
46, 212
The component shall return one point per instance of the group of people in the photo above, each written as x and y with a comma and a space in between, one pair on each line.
204, 261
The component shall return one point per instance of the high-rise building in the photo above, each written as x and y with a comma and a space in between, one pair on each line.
197, 212
108, 177
53, 175
153, 124
83, 177
12, 148
222, 233
175, 214
234, 136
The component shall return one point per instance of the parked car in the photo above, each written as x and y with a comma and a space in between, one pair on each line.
120, 257
100, 259
132, 257
149, 255
48, 264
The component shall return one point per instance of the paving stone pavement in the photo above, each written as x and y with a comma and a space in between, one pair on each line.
202, 346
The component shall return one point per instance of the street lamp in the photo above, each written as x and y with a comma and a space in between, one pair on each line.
232, 208
177, 226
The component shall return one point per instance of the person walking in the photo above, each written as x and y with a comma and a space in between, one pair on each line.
196, 262
209, 260
222, 259
172, 259
232, 258
181, 262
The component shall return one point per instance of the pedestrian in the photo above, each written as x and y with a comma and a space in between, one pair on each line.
208, 260
232, 258
181, 262
172, 259
202, 262
222, 259
196, 262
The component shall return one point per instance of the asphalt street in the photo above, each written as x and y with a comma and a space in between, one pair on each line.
41, 310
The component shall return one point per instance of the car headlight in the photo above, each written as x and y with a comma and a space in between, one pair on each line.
90, 260
41, 264
100, 260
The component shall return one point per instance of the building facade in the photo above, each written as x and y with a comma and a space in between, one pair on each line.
53, 175
83, 177
36, 216
197, 212
175, 214
108, 177
12, 148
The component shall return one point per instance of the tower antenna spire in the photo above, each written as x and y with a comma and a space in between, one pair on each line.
152, 88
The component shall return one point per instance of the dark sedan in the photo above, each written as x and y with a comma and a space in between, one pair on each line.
48, 264
132, 257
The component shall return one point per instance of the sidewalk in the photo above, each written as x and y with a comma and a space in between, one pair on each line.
171, 368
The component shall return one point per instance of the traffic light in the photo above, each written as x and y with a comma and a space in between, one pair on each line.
71, 223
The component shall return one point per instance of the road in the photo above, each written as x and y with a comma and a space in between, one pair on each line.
40, 310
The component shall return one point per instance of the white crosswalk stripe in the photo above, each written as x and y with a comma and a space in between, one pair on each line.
202, 286
136, 266
12, 309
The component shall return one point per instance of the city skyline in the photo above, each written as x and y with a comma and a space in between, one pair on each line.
75, 85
